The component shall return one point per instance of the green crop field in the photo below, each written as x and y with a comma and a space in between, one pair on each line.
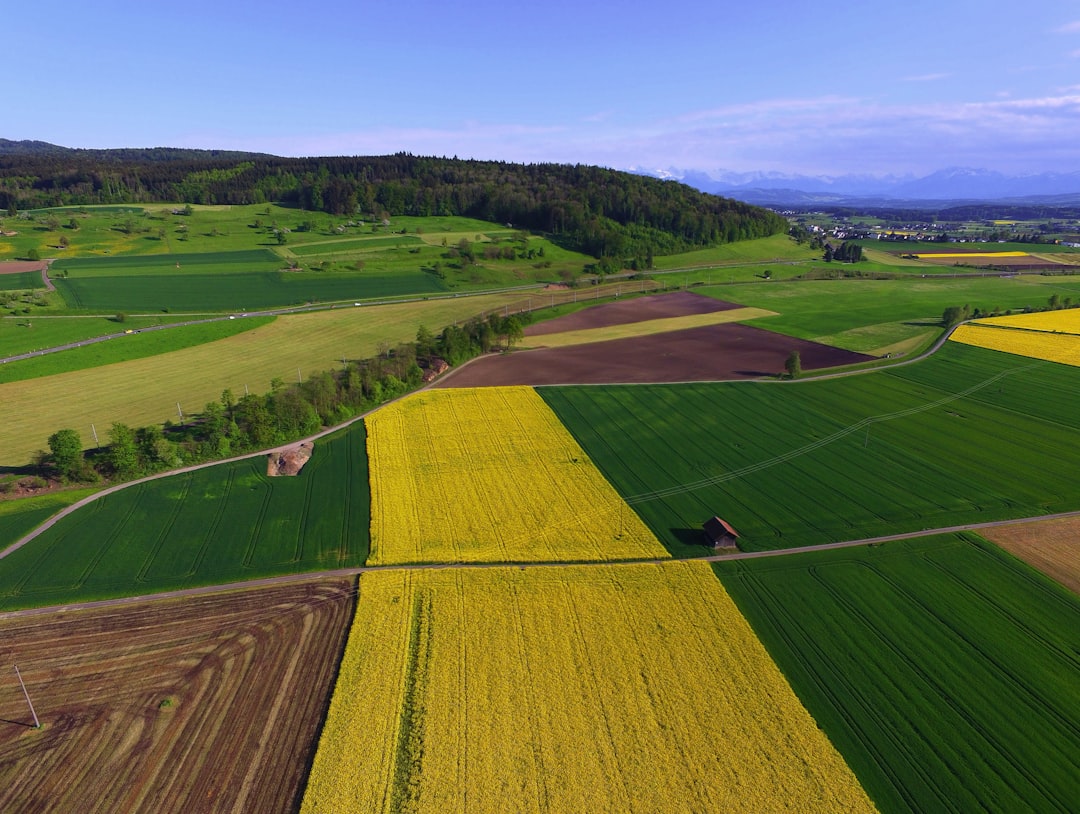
790, 464
238, 292
219, 524
944, 670
19, 517
867, 315
21, 281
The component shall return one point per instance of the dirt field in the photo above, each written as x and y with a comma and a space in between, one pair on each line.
207, 704
1052, 546
712, 353
638, 309
17, 266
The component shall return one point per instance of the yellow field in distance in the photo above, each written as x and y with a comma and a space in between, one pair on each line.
1066, 321
577, 688
931, 254
490, 474
1023, 339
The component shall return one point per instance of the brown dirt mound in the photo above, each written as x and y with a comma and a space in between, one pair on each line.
290, 460
633, 309
205, 704
711, 353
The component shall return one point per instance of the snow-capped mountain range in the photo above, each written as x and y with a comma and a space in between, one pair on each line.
952, 184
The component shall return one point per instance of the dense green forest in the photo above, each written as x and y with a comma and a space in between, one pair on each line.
602, 212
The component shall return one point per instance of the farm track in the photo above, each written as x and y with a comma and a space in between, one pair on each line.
338, 573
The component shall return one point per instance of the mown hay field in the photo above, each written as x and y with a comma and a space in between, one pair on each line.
944, 670
603, 688
219, 524
801, 463
203, 704
146, 391
1063, 348
490, 475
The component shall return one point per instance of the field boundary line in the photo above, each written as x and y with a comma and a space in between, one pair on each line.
282, 579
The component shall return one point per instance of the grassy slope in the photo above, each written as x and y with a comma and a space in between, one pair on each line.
943, 669
811, 462
127, 348
147, 390
220, 524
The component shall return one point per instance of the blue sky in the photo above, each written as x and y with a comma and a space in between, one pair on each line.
791, 87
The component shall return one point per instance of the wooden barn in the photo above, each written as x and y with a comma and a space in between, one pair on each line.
720, 535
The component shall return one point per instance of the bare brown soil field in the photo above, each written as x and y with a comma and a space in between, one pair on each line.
636, 309
1052, 546
18, 266
711, 353
205, 704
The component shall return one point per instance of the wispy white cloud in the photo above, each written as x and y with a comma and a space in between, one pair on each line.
927, 77
1069, 28
820, 135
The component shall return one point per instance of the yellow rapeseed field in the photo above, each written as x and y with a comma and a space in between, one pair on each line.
991, 255
1035, 344
576, 688
490, 475
1065, 321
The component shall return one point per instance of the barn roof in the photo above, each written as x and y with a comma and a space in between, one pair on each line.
716, 527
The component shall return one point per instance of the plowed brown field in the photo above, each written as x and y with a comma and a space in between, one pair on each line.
1052, 546
637, 309
710, 353
205, 704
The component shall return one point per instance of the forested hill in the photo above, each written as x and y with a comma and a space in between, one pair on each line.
602, 212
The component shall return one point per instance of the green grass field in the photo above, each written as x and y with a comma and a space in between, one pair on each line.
801, 463
145, 391
19, 517
220, 524
944, 670
127, 348
21, 281
865, 315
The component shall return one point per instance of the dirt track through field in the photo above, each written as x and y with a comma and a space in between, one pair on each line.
210, 704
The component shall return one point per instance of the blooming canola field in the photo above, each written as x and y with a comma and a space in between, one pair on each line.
490, 475
580, 688
1051, 335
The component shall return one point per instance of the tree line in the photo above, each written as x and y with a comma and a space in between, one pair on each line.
601, 212
234, 426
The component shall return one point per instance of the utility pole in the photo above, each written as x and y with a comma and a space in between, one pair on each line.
180, 412
93, 430
37, 723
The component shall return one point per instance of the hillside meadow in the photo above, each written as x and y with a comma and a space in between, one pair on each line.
145, 391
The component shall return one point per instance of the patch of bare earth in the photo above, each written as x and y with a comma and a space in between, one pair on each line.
711, 353
290, 460
205, 704
633, 309
1052, 546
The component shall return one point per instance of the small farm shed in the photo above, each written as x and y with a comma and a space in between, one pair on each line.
720, 534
